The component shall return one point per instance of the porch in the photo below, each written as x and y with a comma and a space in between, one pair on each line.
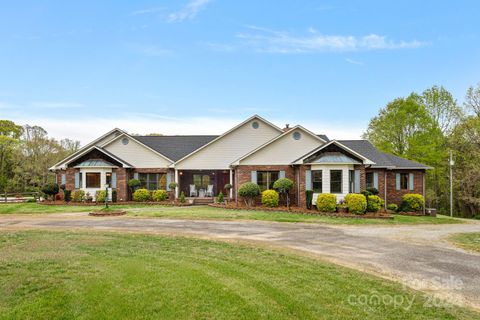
195, 184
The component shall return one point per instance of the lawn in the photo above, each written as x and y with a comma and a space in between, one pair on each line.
209, 213
467, 241
85, 275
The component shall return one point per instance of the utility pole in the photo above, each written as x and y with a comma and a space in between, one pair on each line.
451, 163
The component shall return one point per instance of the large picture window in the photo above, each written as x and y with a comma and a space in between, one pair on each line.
265, 179
335, 181
92, 179
201, 181
317, 181
403, 180
369, 180
153, 181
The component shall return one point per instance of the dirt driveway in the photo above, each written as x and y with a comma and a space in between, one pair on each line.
417, 256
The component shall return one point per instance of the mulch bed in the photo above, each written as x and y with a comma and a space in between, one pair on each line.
413, 214
148, 203
107, 213
298, 210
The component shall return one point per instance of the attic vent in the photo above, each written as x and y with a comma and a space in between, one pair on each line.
255, 125
125, 141
297, 135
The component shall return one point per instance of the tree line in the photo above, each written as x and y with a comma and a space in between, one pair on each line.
425, 127
26, 153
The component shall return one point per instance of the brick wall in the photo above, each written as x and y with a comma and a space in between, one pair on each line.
394, 195
381, 181
302, 187
122, 184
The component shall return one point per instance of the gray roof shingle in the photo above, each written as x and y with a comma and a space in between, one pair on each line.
175, 147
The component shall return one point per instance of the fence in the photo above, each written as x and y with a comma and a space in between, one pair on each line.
19, 197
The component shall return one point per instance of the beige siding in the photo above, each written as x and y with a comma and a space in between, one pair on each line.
326, 179
284, 150
136, 154
230, 147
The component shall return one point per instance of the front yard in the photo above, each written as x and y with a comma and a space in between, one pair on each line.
47, 275
205, 212
467, 241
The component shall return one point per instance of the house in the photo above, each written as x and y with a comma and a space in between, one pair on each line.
255, 150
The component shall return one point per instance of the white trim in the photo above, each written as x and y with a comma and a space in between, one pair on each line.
409, 168
365, 160
224, 134
139, 142
125, 165
85, 147
237, 162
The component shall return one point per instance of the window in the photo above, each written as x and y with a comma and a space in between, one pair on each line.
403, 180
317, 181
108, 179
369, 180
153, 181
351, 181
201, 181
93, 179
297, 135
335, 181
265, 179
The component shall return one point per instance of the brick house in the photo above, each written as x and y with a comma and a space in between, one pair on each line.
253, 151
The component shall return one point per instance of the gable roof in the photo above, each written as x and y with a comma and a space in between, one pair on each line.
320, 139
382, 159
339, 144
109, 154
334, 157
229, 131
175, 147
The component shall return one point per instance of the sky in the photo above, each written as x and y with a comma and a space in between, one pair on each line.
82, 68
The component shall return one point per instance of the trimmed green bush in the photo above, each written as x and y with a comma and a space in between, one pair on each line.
248, 191
326, 202
283, 186
67, 195
412, 202
182, 197
373, 191
50, 189
100, 196
374, 203
220, 198
356, 203
78, 195
159, 195
141, 195
172, 186
309, 198
392, 206
134, 183
270, 198
114, 195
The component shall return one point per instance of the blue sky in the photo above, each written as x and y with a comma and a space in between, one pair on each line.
180, 67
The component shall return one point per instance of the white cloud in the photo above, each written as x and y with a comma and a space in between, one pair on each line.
188, 12
351, 61
271, 41
147, 11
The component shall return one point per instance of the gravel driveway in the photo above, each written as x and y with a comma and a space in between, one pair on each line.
417, 256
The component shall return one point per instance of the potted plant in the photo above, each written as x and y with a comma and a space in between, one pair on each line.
88, 197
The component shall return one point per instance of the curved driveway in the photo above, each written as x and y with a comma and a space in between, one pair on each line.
417, 256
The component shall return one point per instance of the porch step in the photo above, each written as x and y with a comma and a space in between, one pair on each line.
200, 201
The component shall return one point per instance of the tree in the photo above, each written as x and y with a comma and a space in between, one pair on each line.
283, 186
472, 100
9, 138
442, 107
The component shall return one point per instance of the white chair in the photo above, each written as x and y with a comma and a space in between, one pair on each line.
209, 192
193, 191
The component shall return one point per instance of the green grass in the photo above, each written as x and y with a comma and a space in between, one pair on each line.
467, 241
53, 275
209, 213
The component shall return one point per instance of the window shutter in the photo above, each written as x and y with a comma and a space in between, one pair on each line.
77, 180
135, 175
308, 179
114, 180
397, 181
357, 181
375, 180
281, 174
411, 181
254, 176
64, 178
169, 178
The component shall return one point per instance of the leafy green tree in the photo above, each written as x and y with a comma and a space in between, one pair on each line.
9, 138
472, 100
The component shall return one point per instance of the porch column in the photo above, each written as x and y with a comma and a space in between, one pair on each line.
231, 184
178, 184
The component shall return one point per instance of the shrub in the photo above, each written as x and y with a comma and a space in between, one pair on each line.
63, 187
50, 189
114, 195
249, 191
172, 186
373, 191
134, 183
67, 195
412, 202
392, 206
356, 203
270, 198
159, 195
182, 197
228, 186
141, 195
309, 198
326, 202
78, 195
220, 198
283, 186
100, 196
374, 203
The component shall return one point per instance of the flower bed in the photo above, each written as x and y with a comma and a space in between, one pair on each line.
299, 210
147, 203
107, 213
